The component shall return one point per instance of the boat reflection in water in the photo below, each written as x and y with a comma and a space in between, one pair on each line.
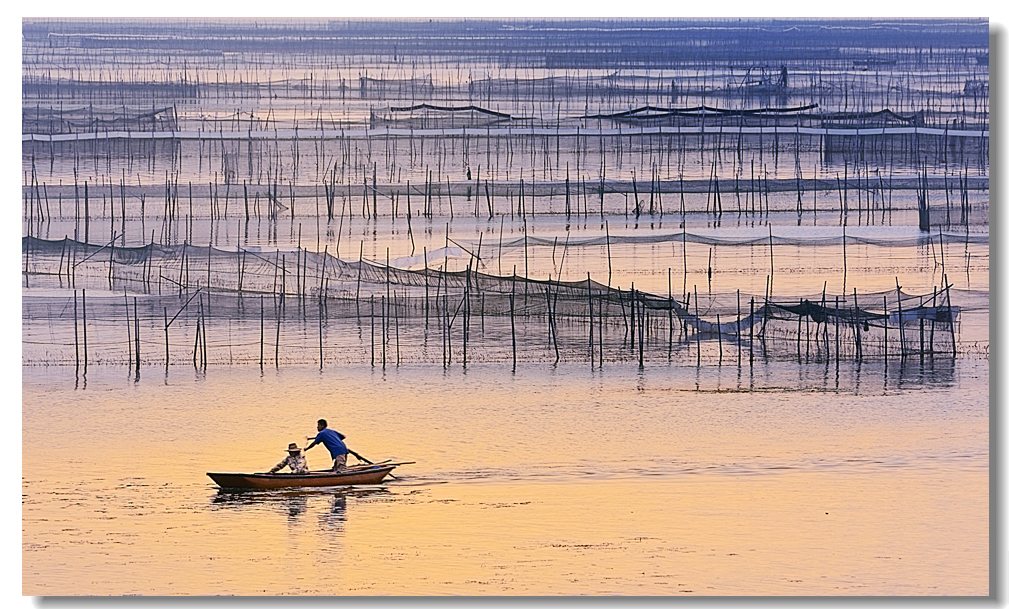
329, 503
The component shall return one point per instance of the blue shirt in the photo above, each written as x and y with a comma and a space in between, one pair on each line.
332, 440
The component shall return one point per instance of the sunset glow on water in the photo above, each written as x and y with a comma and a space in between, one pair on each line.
659, 488
635, 307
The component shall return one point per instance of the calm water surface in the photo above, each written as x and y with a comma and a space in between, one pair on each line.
787, 480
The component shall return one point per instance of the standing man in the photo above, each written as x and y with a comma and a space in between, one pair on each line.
333, 440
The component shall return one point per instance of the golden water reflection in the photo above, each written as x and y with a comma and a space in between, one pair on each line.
619, 483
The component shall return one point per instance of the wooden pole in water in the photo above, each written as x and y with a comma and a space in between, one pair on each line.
321, 359
280, 309
203, 341
490, 205
552, 337
112, 254
592, 352
844, 256
262, 330
697, 326
739, 344
633, 320
165, 311
448, 188
465, 319
718, 323
84, 327
686, 316
525, 245
427, 290
751, 330
567, 191
136, 335
770, 240
360, 265
196, 342
448, 330
297, 266
63, 249
858, 327
709, 269
931, 330
886, 330
763, 317
602, 320
669, 278
641, 335
949, 310
823, 307
77, 352
798, 336
609, 258
685, 294
511, 304
837, 330
476, 202
396, 317
900, 319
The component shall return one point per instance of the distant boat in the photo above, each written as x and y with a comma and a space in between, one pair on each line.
357, 474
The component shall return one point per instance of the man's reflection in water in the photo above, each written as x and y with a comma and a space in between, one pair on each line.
336, 516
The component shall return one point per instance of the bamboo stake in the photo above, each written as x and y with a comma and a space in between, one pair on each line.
592, 353
136, 335
511, 309
84, 326
165, 311
77, 354
321, 358
262, 330
129, 335
752, 321
900, 320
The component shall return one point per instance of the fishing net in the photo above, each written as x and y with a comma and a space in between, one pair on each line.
307, 306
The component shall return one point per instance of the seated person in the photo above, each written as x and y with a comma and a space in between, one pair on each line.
294, 460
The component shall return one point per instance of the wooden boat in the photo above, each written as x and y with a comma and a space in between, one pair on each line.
357, 474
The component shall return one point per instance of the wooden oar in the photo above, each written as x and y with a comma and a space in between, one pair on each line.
360, 458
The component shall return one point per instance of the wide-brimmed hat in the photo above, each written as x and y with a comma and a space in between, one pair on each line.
293, 447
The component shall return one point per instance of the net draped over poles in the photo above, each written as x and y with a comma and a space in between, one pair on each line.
251, 292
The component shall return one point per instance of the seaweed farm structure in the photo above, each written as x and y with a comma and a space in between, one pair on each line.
503, 192
256, 296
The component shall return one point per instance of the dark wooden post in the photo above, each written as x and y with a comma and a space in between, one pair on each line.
136, 335
262, 330
900, 319
165, 311
592, 352
77, 352
84, 325
511, 303
752, 321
